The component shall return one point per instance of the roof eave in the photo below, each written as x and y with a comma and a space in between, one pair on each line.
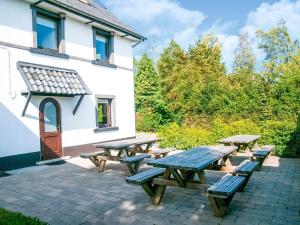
95, 19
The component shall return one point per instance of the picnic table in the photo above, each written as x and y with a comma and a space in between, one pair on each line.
243, 142
186, 165
128, 147
126, 151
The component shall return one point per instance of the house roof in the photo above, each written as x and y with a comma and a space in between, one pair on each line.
96, 12
46, 80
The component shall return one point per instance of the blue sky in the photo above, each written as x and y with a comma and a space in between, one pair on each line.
187, 21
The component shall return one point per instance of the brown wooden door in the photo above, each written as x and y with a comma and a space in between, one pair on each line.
50, 129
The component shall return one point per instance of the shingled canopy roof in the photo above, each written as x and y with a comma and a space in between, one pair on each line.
52, 81
46, 80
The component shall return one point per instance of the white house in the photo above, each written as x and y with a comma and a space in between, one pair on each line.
66, 79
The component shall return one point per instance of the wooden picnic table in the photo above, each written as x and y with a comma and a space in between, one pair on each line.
124, 148
186, 165
134, 145
243, 142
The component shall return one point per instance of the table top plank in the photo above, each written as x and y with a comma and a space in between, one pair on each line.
240, 139
195, 159
126, 143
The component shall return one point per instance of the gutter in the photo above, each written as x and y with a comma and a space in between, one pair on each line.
94, 19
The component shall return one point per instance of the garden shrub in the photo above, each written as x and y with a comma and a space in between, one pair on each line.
184, 137
16, 218
280, 133
223, 129
284, 134
147, 121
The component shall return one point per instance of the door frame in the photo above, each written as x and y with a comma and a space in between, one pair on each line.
42, 124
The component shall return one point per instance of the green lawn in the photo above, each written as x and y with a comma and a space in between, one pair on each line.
16, 218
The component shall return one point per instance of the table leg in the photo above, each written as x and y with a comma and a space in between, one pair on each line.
227, 166
107, 153
161, 189
202, 177
125, 152
250, 147
149, 145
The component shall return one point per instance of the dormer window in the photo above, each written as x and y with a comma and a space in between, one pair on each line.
47, 35
103, 45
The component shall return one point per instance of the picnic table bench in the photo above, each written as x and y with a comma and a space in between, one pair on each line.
243, 142
245, 169
134, 162
222, 192
145, 180
261, 153
97, 158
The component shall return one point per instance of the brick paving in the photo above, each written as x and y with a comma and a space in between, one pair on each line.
74, 193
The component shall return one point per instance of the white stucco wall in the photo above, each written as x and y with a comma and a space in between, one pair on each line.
21, 134
15, 22
79, 39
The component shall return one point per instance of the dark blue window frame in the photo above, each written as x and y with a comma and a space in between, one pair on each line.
108, 49
47, 37
60, 28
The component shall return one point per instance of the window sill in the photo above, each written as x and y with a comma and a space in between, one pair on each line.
97, 130
101, 63
49, 53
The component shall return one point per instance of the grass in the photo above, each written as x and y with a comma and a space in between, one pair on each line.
16, 218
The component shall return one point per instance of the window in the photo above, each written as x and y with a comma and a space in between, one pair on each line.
104, 112
102, 45
48, 30
50, 117
47, 35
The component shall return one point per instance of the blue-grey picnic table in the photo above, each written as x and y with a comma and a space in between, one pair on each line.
125, 148
243, 142
186, 165
135, 145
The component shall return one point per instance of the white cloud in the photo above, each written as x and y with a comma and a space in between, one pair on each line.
221, 28
161, 20
264, 17
229, 44
268, 15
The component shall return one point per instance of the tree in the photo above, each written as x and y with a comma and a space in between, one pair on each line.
244, 57
279, 49
173, 59
204, 80
146, 83
150, 107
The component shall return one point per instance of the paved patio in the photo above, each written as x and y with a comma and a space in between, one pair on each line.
74, 193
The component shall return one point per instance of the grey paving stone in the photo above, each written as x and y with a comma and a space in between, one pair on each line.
70, 194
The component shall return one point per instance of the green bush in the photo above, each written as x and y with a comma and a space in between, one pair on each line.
147, 121
280, 133
283, 134
223, 129
184, 137
16, 218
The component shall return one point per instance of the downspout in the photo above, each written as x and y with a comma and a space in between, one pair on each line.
12, 94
